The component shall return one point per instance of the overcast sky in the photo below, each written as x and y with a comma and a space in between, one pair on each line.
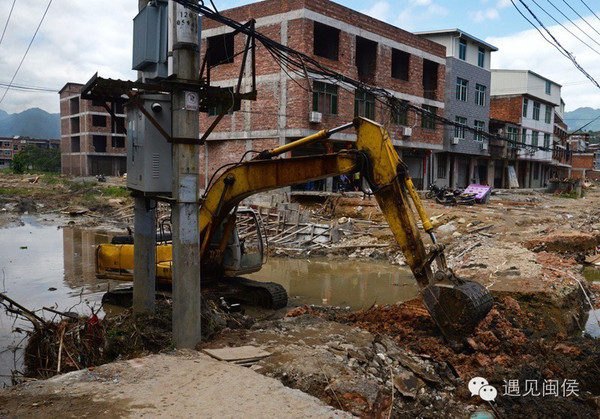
81, 37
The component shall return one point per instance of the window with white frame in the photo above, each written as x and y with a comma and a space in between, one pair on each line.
399, 112
513, 136
459, 130
364, 104
536, 111
462, 49
548, 87
548, 115
525, 104
479, 128
480, 94
547, 141
481, 57
524, 136
461, 89
535, 136
325, 98
427, 120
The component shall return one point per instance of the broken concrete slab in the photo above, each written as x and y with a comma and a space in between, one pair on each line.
237, 353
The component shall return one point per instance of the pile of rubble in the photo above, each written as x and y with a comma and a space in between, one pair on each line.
393, 361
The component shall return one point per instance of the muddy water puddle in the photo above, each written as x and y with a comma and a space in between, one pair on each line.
344, 283
46, 266
592, 273
592, 326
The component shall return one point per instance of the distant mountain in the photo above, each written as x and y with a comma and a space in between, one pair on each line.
34, 123
581, 116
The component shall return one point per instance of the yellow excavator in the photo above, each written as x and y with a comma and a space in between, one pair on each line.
456, 305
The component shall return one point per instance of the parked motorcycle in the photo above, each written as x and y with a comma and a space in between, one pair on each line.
444, 196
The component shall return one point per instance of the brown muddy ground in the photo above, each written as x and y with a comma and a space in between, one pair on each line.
392, 361
355, 361
84, 202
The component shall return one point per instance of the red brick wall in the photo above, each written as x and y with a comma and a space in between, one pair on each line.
263, 114
582, 161
330, 9
222, 152
593, 174
577, 173
507, 108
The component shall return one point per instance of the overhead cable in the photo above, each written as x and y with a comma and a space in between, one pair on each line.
567, 29
26, 51
581, 17
588, 7
555, 42
7, 20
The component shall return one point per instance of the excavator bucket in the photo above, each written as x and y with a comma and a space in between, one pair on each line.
457, 309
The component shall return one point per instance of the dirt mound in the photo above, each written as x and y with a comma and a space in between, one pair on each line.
567, 242
509, 344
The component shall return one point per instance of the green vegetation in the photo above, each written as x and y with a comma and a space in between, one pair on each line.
80, 186
571, 195
14, 191
32, 157
22, 192
115, 192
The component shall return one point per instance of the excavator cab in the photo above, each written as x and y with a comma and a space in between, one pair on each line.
246, 248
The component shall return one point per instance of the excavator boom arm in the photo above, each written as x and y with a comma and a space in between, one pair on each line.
455, 304
375, 157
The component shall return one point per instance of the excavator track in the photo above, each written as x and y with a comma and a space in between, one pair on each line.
268, 295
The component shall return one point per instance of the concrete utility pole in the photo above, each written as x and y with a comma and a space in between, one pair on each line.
144, 250
183, 39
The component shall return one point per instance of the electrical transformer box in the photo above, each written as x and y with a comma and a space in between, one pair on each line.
149, 154
150, 40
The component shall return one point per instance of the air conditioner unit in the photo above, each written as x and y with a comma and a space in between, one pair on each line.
455, 140
407, 131
484, 146
315, 117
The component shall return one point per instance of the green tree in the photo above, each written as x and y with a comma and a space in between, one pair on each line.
32, 157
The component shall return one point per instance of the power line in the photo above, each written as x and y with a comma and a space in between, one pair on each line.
588, 7
589, 123
567, 29
29, 88
26, 51
7, 20
581, 17
555, 44
536, 28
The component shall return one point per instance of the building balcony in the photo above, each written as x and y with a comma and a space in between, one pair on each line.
535, 155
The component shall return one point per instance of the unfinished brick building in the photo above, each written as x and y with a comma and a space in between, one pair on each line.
354, 44
92, 142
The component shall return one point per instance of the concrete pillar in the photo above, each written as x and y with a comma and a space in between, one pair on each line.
144, 255
491, 171
186, 178
471, 169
